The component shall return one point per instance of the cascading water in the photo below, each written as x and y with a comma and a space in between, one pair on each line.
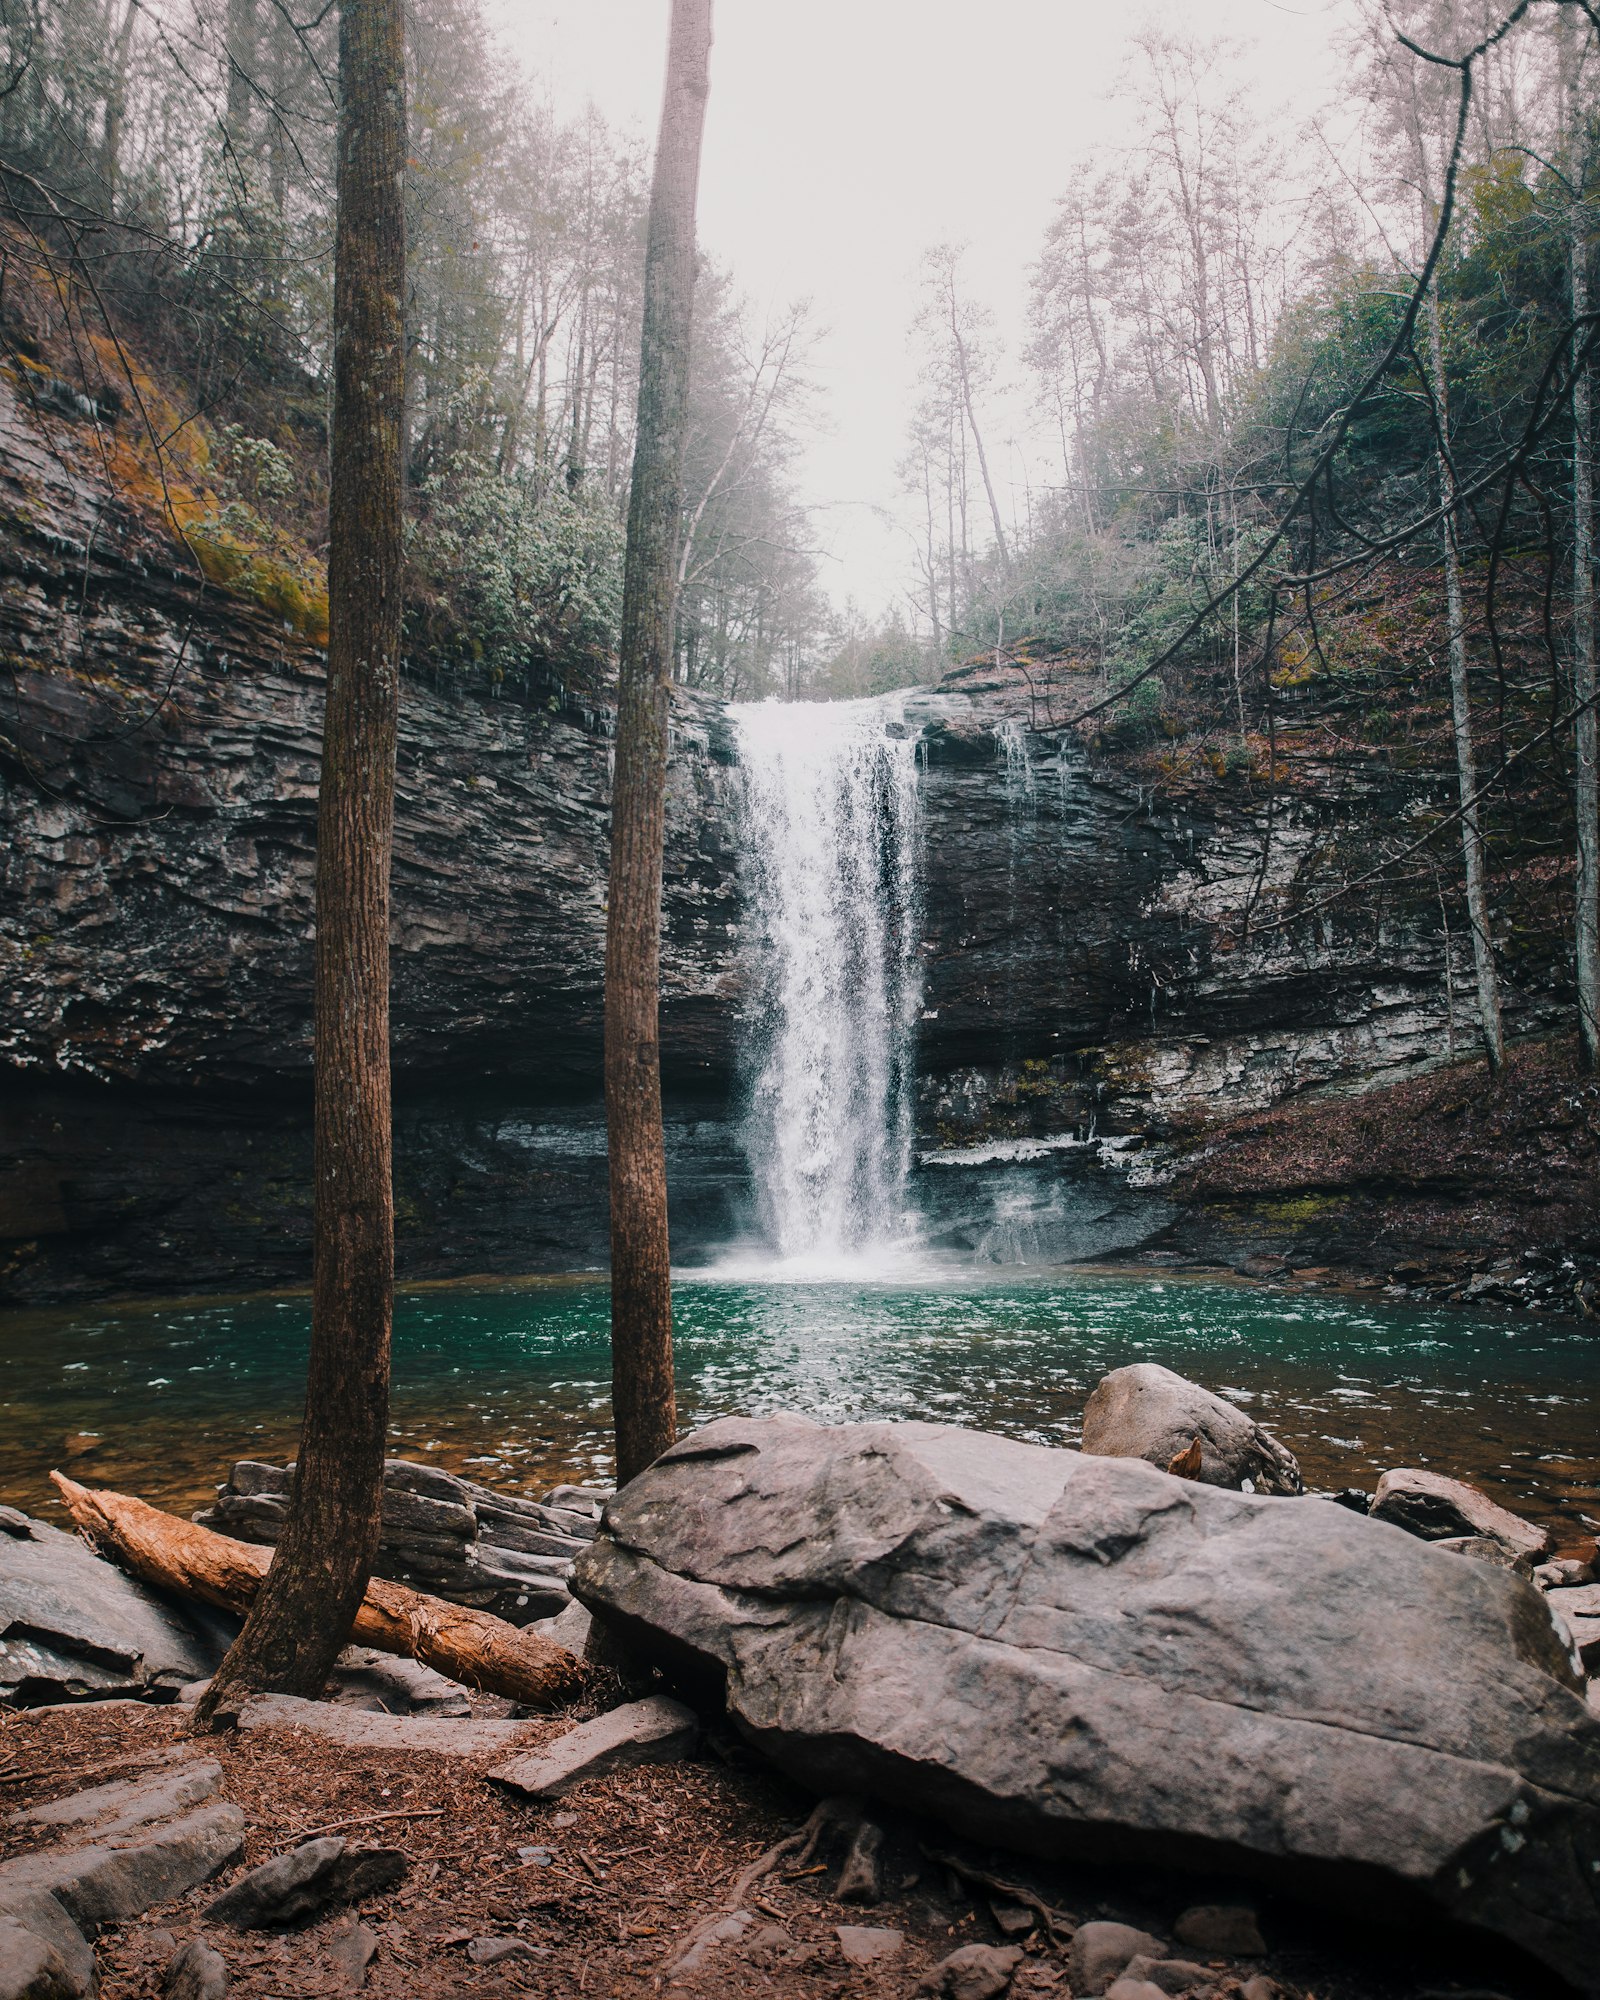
830, 860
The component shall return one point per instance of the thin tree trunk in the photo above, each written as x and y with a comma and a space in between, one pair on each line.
977, 436
1586, 797
643, 1400
241, 49
303, 1613
116, 107
1488, 978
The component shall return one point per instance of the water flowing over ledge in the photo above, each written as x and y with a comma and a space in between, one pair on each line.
829, 851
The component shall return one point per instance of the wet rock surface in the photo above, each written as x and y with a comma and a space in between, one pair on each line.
1062, 1652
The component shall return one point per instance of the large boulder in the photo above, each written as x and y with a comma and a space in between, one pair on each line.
73, 1627
1146, 1411
1081, 1656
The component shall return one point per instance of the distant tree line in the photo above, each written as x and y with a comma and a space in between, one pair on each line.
173, 160
1323, 448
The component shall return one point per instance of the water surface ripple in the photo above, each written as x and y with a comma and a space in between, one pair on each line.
510, 1382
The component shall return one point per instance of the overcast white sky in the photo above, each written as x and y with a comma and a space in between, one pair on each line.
845, 136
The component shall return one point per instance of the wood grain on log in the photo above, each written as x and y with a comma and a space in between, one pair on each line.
467, 1645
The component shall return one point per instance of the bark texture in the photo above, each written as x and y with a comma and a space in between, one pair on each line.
641, 1291
1586, 786
300, 1620
469, 1646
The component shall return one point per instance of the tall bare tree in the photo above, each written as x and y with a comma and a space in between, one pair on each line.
1485, 971
302, 1615
641, 1289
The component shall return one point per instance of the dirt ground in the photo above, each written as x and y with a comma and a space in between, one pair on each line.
606, 1886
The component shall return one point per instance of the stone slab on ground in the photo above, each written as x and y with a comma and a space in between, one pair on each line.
364, 1729
293, 1888
61, 1896
655, 1731
1168, 1975
107, 1812
74, 1625
1082, 1656
869, 1944
973, 1972
1149, 1412
1439, 1509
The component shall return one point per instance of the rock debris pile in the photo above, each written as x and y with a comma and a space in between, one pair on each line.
450, 1537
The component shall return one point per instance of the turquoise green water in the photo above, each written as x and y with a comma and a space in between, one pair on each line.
510, 1382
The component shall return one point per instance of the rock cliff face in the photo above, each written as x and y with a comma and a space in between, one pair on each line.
158, 753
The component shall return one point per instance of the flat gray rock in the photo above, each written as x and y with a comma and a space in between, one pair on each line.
869, 1944
107, 1812
351, 1953
1146, 1411
655, 1731
1081, 1656
293, 1888
496, 1950
72, 1624
63, 1896
1167, 1975
364, 1729
973, 1972
570, 1629
1440, 1509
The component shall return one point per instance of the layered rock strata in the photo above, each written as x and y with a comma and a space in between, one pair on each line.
450, 1537
1079, 948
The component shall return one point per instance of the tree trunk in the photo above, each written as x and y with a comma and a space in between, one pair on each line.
469, 1646
302, 1616
241, 49
1488, 978
116, 107
977, 435
641, 1293
1586, 788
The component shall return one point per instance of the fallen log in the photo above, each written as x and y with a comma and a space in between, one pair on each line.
467, 1645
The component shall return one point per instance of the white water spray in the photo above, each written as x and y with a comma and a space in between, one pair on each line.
830, 860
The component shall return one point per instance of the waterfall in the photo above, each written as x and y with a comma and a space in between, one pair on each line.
829, 855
